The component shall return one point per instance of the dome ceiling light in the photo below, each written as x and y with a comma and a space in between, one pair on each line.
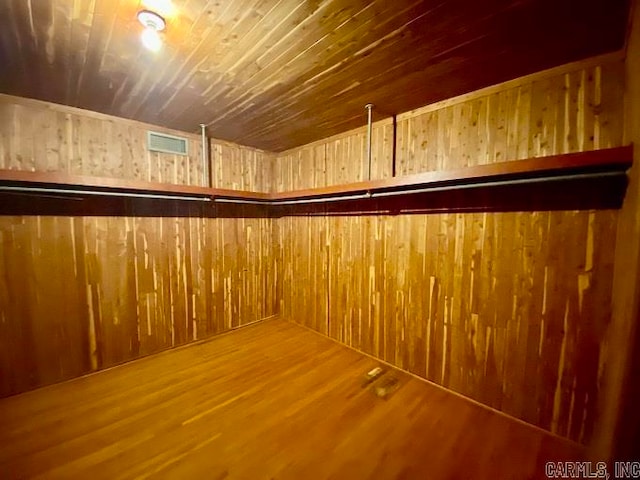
153, 24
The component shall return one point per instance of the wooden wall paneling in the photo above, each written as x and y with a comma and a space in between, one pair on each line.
454, 318
202, 254
284, 227
382, 146
123, 144
343, 256
234, 255
315, 166
305, 271
86, 293
467, 134
300, 163
112, 257
446, 133
312, 269
303, 168
595, 303
339, 159
431, 143
263, 171
347, 157
228, 167
72, 157
240, 168
492, 305
40, 136
194, 285
38, 124
508, 308
19, 145
193, 165
283, 265
310, 169
252, 247
268, 288
44, 333
616, 435
154, 309
375, 279
215, 157
501, 111
276, 275
85, 150
162, 171
561, 114
569, 112
518, 125
550, 110
6, 136
446, 245
58, 317
387, 291
198, 267
474, 251
218, 286
406, 146
433, 287
567, 368
417, 298
274, 270
610, 99
282, 172
245, 256
92, 149
82, 293
175, 235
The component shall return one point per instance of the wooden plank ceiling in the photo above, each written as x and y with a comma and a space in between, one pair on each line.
276, 74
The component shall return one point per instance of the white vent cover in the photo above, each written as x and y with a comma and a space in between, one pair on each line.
161, 142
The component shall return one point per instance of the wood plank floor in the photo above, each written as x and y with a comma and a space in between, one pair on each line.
273, 400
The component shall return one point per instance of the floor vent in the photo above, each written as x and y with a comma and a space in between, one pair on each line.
161, 142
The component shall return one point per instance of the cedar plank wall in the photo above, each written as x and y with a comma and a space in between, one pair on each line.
40, 136
238, 167
81, 293
507, 308
617, 435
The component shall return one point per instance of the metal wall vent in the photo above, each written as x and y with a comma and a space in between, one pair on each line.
161, 142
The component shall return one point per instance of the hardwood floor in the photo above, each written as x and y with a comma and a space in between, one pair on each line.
272, 400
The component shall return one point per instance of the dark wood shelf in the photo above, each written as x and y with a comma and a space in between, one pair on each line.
597, 161
612, 161
77, 184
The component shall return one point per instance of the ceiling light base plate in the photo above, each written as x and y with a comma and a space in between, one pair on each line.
151, 20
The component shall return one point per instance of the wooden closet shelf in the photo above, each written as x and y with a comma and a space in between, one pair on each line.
611, 161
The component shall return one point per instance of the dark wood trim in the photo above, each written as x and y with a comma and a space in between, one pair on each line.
239, 194
606, 160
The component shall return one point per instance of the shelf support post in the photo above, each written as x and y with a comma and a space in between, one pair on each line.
206, 180
369, 107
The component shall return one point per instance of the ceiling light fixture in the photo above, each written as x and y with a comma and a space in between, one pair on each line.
153, 23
